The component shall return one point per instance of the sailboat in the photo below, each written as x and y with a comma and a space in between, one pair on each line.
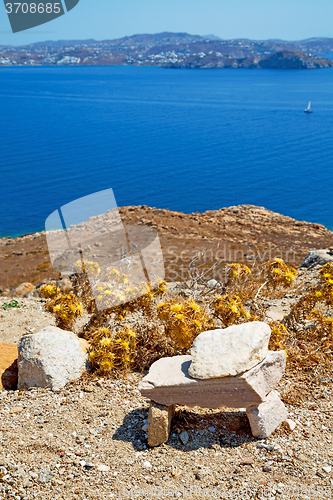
308, 109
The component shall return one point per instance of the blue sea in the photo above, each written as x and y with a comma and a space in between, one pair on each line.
187, 140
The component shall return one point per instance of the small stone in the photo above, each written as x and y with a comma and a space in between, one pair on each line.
199, 475
147, 465
159, 423
15, 410
211, 429
89, 388
89, 465
44, 477
327, 469
268, 447
145, 428
103, 468
267, 468
23, 290
247, 461
26, 482
267, 416
290, 424
212, 283
184, 437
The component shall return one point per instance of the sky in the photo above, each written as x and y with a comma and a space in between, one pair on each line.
254, 19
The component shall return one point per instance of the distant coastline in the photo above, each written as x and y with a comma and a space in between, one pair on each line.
174, 50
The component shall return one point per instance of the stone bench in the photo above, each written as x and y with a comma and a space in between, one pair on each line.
168, 384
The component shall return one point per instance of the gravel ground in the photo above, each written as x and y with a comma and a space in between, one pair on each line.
88, 441
30, 317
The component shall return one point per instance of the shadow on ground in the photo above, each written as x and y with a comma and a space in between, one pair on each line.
227, 429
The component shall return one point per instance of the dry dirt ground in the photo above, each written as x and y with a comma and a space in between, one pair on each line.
89, 441
234, 234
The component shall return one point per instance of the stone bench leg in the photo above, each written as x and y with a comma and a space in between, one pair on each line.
265, 417
159, 423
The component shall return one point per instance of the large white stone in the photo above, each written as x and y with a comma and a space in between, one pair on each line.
168, 383
50, 358
229, 351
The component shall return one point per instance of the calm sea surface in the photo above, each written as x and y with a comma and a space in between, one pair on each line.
188, 140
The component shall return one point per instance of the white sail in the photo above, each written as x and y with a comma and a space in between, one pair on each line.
308, 109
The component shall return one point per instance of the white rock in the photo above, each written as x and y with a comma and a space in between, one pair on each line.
229, 351
212, 283
103, 468
50, 358
265, 417
147, 465
327, 469
290, 424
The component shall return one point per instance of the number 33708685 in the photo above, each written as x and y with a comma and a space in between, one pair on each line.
33, 8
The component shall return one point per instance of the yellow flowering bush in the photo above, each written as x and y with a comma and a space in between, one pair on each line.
112, 352
325, 289
49, 291
279, 273
238, 271
279, 335
229, 309
183, 319
66, 307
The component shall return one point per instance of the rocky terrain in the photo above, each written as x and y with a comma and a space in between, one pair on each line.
242, 233
89, 440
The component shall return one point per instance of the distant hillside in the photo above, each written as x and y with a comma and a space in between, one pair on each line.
176, 50
278, 60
